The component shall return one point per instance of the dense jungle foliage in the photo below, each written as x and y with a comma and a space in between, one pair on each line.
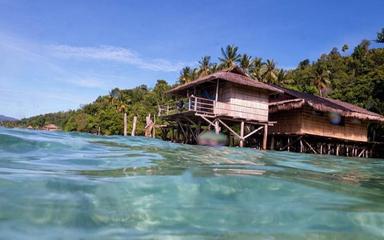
352, 75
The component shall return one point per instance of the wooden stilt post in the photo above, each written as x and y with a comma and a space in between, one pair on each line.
272, 142
265, 136
134, 126
301, 145
289, 144
125, 124
321, 148
337, 149
217, 127
242, 134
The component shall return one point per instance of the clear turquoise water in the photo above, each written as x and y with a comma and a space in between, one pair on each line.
78, 186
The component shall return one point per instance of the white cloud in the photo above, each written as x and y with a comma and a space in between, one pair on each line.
118, 54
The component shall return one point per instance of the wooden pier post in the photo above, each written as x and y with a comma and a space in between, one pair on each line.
272, 142
288, 144
125, 124
301, 146
134, 126
217, 127
265, 137
242, 134
337, 149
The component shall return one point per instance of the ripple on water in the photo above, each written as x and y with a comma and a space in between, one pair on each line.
74, 185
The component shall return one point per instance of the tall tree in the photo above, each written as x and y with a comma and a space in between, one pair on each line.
121, 106
229, 56
255, 68
269, 74
345, 48
185, 75
245, 63
204, 66
380, 36
321, 80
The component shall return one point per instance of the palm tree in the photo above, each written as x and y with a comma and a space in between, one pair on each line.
194, 74
345, 48
255, 68
117, 100
269, 74
281, 76
185, 75
380, 36
229, 56
321, 80
245, 63
214, 68
204, 66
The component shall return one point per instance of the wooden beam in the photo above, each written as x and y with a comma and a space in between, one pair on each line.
253, 132
230, 129
361, 153
309, 145
206, 119
182, 129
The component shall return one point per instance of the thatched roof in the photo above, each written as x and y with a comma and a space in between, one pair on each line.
234, 75
322, 104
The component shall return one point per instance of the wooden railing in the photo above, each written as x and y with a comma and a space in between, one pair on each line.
192, 104
201, 105
208, 107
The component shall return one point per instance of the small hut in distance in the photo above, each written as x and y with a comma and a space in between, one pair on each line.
51, 127
227, 100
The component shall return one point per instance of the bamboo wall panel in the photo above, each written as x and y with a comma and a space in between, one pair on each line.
240, 102
288, 122
307, 121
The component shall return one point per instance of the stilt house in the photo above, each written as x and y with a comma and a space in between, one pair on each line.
319, 125
228, 101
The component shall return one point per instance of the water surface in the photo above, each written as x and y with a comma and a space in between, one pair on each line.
57, 185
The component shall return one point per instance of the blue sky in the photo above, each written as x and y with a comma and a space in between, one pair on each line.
57, 55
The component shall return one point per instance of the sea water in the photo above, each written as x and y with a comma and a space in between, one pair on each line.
56, 185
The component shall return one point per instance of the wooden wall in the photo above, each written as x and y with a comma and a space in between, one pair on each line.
241, 102
307, 121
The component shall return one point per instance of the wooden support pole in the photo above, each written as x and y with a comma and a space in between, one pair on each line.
217, 127
362, 152
321, 148
134, 126
253, 132
301, 146
337, 149
230, 129
289, 144
242, 134
309, 145
265, 136
272, 142
125, 124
